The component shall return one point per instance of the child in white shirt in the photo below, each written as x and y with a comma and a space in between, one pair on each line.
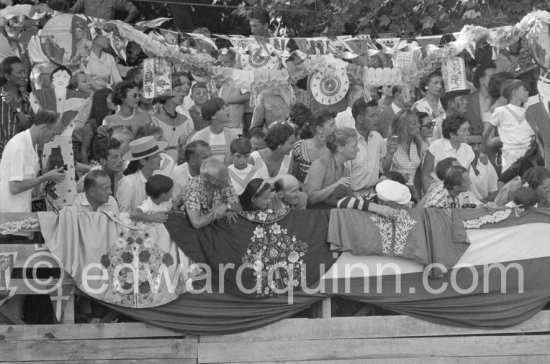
241, 172
158, 203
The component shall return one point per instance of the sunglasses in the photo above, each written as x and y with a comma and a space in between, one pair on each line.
429, 126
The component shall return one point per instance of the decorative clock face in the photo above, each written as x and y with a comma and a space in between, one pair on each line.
329, 88
256, 61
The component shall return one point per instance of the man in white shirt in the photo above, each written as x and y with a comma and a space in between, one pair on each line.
365, 168
97, 195
196, 152
345, 119
20, 163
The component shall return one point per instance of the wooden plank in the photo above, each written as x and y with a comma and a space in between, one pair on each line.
374, 348
121, 361
78, 350
370, 327
527, 359
326, 308
85, 332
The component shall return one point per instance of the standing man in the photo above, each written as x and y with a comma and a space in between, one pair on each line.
386, 116
365, 168
234, 97
258, 19
15, 105
480, 101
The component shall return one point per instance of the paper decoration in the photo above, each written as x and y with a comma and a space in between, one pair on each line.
539, 44
59, 153
157, 78
454, 75
256, 62
381, 76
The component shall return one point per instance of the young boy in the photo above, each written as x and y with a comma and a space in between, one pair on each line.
199, 94
241, 172
159, 200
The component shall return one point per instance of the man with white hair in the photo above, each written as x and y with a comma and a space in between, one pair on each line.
287, 189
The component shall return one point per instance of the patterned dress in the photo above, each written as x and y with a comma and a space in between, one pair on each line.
195, 196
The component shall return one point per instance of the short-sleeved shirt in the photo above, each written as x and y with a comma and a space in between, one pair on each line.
365, 168
442, 149
485, 182
131, 191
195, 196
406, 163
103, 67
241, 177
82, 204
19, 163
148, 206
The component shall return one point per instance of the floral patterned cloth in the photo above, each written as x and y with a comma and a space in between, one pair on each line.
195, 196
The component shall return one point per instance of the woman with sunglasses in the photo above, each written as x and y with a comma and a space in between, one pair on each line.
426, 131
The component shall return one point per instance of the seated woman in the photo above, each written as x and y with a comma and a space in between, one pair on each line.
329, 179
256, 196
456, 181
210, 196
276, 159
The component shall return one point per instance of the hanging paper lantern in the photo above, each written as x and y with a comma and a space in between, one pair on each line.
539, 43
454, 76
66, 39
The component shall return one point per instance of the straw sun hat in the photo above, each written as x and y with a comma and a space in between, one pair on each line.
143, 148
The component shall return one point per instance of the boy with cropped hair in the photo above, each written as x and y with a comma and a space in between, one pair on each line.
158, 202
241, 171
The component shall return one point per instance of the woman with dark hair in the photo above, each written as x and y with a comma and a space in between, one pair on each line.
306, 151
453, 144
329, 179
256, 195
301, 116
446, 195
538, 179
426, 131
404, 148
177, 128
102, 106
432, 87
276, 159
124, 124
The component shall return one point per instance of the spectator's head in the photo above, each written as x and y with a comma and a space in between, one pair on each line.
134, 75
214, 174
228, 57
394, 176
405, 125
365, 115
456, 180
443, 165
474, 141
287, 188
159, 188
426, 125
256, 195
257, 139
149, 130
525, 197
281, 137
495, 83
107, 151
13, 71
133, 53
515, 90
432, 84
101, 41
455, 127
102, 105
393, 194
301, 116
199, 93
240, 152
482, 75
322, 125
126, 93
343, 141
144, 154
538, 179
258, 19
214, 110
397, 94
355, 93
196, 153
80, 82
47, 124
184, 81
97, 187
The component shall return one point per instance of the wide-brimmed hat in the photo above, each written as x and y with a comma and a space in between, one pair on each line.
143, 148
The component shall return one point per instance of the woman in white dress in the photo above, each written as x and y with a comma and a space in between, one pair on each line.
276, 158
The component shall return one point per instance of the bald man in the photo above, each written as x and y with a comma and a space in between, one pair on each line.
288, 191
